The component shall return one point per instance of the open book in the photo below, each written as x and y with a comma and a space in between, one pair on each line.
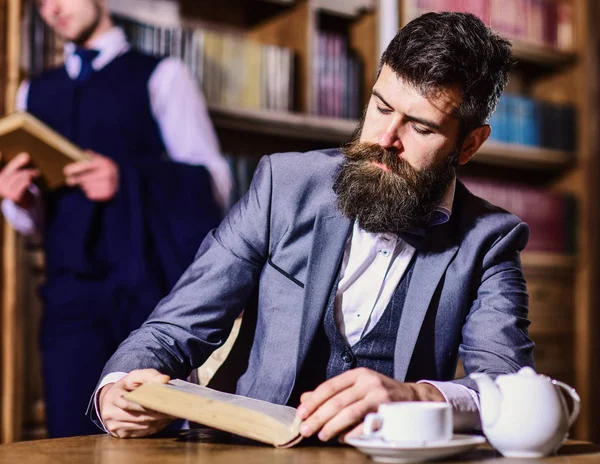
259, 420
49, 151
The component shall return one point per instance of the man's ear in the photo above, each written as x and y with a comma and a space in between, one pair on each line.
473, 141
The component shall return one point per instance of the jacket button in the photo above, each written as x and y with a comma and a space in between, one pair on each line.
347, 357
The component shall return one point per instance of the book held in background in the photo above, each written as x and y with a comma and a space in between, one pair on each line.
49, 151
259, 420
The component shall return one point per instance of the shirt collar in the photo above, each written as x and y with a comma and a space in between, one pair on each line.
443, 211
111, 44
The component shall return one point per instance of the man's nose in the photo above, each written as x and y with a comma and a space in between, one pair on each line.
390, 138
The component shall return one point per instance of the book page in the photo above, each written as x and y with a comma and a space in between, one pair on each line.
49, 151
283, 414
256, 419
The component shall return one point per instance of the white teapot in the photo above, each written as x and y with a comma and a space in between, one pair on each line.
525, 414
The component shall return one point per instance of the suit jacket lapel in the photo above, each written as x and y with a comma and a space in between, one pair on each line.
430, 266
329, 240
330, 234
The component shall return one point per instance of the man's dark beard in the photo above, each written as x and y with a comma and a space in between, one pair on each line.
397, 200
85, 35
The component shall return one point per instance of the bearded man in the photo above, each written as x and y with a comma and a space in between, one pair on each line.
369, 270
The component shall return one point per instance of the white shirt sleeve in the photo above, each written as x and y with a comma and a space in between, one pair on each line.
182, 116
26, 222
110, 378
23, 95
464, 402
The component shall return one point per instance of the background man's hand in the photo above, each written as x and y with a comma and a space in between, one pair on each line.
340, 404
125, 419
15, 179
98, 177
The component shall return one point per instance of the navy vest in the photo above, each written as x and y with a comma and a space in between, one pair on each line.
330, 354
109, 113
145, 237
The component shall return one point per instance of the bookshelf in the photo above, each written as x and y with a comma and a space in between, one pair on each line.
547, 58
556, 75
541, 261
521, 156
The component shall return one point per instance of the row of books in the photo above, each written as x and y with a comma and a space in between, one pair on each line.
525, 121
543, 22
338, 73
231, 69
551, 216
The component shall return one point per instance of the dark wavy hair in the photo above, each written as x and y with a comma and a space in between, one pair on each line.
440, 49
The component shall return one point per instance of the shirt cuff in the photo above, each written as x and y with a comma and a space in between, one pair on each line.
464, 402
22, 220
110, 378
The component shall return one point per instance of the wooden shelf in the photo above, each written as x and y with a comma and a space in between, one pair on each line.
318, 128
534, 260
522, 156
541, 55
160, 13
283, 124
535, 332
536, 55
345, 8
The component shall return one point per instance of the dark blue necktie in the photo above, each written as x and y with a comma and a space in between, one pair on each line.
87, 56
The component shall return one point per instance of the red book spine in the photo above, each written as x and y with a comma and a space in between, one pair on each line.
543, 210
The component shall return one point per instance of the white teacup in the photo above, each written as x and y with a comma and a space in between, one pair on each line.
411, 421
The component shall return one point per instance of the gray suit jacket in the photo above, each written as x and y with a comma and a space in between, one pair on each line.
277, 255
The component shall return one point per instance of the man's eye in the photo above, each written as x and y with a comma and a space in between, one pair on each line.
422, 131
384, 110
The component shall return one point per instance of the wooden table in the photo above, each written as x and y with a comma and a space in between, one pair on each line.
193, 447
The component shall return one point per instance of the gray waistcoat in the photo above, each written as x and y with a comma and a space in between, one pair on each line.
330, 354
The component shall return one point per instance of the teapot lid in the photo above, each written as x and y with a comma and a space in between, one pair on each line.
527, 371
525, 374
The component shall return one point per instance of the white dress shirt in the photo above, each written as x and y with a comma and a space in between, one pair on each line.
178, 107
371, 269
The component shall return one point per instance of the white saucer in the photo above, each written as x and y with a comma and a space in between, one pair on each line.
390, 451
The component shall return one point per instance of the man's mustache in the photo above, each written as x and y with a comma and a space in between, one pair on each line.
372, 152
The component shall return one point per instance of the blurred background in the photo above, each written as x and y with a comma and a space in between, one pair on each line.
294, 75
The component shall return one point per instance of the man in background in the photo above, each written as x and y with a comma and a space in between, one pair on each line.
368, 270
130, 219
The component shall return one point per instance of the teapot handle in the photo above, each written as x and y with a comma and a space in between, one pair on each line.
574, 396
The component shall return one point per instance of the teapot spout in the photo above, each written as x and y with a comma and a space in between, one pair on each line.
490, 398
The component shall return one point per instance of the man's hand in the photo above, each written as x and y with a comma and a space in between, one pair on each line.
98, 177
15, 178
342, 402
125, 419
